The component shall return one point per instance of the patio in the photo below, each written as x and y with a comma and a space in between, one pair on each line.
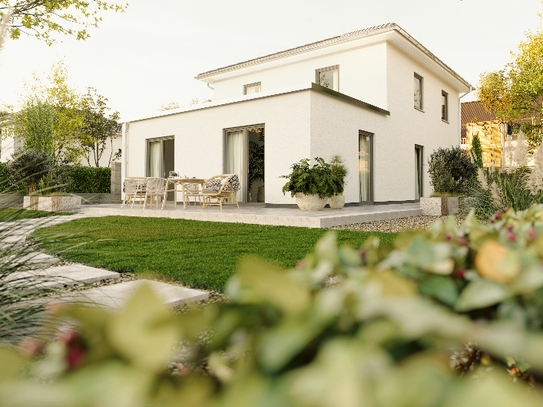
259, 215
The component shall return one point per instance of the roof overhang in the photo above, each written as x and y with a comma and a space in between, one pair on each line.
391, 33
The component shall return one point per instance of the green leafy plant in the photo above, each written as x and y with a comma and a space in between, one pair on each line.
29, 167
318, 179
339, 171
342, 328
477, 151
450, 170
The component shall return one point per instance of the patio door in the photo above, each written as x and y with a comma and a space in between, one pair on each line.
244, 156
418, 171
365, 166
161, 158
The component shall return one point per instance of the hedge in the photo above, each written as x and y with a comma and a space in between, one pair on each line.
96, 180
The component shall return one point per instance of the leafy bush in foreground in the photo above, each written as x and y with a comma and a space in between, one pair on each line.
344, 328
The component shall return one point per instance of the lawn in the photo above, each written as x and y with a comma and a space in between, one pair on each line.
199, 254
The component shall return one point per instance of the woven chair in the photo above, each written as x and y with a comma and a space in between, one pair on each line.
156, 188
134, 191
192, 190
221, 190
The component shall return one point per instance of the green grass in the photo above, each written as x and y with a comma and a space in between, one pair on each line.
9, 214
199, 254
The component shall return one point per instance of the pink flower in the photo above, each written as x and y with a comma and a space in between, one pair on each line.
75, 356
459, 273
531, 234
511, 237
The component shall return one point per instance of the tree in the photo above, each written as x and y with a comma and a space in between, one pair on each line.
97, 128
43, 19
37, 126
515, 93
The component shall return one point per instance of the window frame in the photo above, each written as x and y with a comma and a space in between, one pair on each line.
363, 133
251, 85
328, 68
444, 106
421, 81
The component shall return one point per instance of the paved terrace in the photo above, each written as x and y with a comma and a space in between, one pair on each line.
259, 215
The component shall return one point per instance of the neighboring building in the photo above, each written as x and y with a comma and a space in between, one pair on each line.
376, 97
477, 120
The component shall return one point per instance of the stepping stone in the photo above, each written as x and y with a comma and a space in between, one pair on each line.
63, 276
114, 296
28, 259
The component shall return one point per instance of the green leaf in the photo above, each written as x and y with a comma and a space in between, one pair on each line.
420, 252
480, 294
439, 287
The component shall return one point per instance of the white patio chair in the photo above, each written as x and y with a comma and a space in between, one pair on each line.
156, 188
134, 191
191, 190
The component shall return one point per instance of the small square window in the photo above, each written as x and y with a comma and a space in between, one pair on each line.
252, 88
444, 106
328, 77
418, 92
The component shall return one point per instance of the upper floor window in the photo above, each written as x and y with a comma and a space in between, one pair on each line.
328, 77
444, 106
418, 92
252, 88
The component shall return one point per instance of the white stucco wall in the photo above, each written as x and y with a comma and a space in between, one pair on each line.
8, 147
362, 74
199, 138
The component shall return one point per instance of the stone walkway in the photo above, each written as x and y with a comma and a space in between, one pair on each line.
111, 296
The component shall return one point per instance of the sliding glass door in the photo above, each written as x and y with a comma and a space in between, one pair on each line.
365, 166
244, 156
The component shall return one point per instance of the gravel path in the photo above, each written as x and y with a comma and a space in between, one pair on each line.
398, 225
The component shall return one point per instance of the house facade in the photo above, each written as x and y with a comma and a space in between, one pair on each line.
375, 97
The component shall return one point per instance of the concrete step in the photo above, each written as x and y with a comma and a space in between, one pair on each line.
62, 276
114, 296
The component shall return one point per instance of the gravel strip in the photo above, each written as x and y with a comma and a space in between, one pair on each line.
398, 225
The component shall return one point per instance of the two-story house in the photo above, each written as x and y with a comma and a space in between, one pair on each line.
376, 97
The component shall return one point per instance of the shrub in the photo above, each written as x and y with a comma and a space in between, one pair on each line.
81, 179
450, 170
477, 151
29, 167
390, 319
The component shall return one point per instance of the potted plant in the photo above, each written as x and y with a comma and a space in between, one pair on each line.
337, 200
450, 172
311, 185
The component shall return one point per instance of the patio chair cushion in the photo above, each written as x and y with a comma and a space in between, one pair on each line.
234, 180
215, 185
209, 191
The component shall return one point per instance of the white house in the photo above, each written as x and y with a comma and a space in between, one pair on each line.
376, 97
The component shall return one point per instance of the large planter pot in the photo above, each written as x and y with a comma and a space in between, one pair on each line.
336, 201
438, 206
52, 203
310, 202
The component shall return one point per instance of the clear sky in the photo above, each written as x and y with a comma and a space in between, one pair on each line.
149, 55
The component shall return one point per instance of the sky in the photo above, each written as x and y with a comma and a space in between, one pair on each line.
149, 55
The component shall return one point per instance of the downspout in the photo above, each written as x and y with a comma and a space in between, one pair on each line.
209, 86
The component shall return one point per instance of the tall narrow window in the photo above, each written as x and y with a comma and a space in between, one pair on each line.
328, 77
418, 171
252, 88
444, 106
418, 92
365, 165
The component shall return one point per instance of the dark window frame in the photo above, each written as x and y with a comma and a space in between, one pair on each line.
421, 87
445, 106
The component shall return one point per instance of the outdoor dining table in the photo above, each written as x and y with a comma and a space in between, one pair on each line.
183, 182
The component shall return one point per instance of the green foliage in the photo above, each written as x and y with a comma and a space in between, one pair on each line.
516, 92
98, 128
477, 151
440, 318
81, 179
339, 172
199, 254
37, 126
29, 167
256, 161
450, 170
43, 19
316, 180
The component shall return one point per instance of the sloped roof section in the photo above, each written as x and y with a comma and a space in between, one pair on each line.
475, 112
355, 35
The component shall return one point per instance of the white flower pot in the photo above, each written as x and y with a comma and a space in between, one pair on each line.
310, 202
336, 201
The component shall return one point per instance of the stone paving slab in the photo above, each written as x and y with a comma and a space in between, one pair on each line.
65, 276
114, 296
